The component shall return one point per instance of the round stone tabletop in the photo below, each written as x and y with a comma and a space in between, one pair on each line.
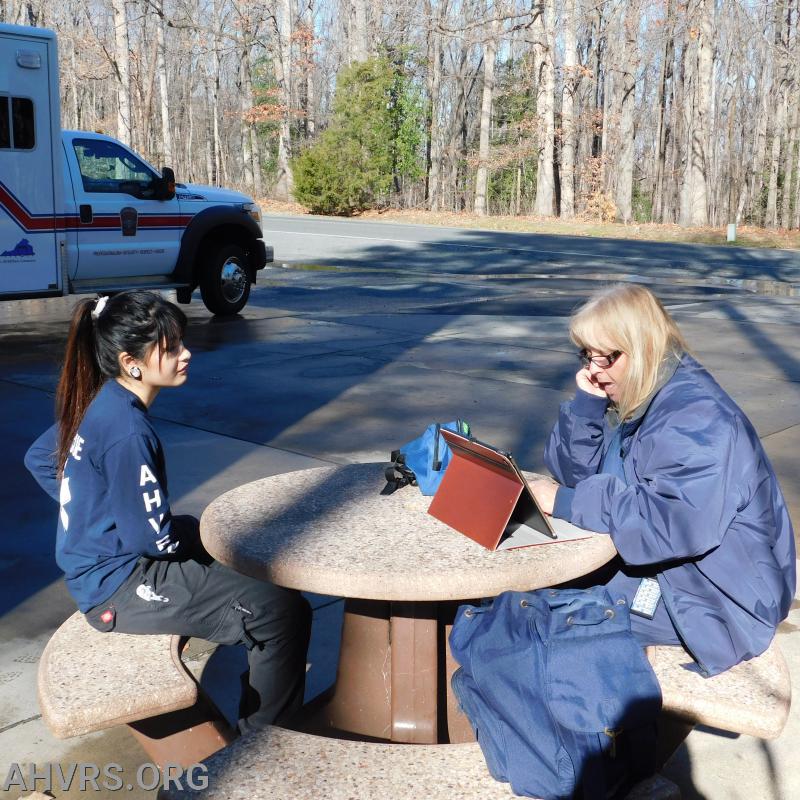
329, 530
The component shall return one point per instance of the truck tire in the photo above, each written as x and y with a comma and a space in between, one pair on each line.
224, 280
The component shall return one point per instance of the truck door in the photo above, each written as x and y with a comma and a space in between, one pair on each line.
28, 250
122, 230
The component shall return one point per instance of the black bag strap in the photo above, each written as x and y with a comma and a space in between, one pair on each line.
437, 462
398, 474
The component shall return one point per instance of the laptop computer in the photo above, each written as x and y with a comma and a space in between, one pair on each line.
485, 496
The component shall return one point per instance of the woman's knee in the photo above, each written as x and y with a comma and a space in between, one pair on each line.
285, 613
305, 614
298, 610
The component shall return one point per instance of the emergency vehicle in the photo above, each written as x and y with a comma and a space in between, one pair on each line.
81, 212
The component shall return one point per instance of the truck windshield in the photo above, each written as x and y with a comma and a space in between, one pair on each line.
107, 167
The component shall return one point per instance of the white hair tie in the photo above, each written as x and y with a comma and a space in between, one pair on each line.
99, 305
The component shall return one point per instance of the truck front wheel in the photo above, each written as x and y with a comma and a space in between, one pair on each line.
224, 280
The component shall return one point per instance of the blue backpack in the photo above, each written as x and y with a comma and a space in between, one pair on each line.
422, 462
559, 694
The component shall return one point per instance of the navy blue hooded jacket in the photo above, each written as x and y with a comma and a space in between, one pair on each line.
113, 496
700, 504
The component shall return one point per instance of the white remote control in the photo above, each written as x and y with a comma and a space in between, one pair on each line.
645, 601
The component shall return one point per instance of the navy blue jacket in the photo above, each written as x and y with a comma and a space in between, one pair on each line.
113, 496
700, 504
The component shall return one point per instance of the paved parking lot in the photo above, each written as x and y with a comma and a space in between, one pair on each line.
345, 364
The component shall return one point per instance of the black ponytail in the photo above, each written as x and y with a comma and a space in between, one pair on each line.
131, 322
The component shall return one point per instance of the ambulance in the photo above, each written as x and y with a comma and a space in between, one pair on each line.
80, 212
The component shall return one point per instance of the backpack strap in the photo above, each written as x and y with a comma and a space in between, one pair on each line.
398, 474
437, 462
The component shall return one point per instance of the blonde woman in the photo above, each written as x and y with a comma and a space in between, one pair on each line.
654, 452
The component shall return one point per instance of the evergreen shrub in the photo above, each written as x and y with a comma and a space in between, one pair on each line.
373, 141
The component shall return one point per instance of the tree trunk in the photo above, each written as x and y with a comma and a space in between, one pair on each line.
734, 187
482, 177
144, 136
780, 103
215, 87
544, 75
662, 128
623, 196
699, 65
789, 161
282, 64
209, 132
792, 186
458, 127
308, 49
433, 189
190, 148
771, 216
359, 45
675, 137
592, 101
122, 68
569, 91
796, 193
765, 83
163, 85
246, 100
606, 86
76, 107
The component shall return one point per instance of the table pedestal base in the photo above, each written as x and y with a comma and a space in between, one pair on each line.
394, 673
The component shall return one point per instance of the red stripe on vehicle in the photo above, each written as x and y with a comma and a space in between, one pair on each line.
22, 216
31, 223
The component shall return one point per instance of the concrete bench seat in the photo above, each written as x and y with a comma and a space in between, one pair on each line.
300, 766
753, 697
89, 681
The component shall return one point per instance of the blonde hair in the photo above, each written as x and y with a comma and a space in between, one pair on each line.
629, 318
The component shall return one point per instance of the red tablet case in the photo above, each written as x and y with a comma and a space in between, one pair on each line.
480, 492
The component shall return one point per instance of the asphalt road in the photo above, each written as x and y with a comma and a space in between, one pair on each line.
437, 250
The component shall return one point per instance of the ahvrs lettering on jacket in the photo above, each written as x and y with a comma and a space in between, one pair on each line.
114, 496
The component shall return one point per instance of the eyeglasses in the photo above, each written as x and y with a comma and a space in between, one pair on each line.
604, 362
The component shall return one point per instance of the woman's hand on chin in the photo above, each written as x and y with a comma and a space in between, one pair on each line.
588, 383
544, 491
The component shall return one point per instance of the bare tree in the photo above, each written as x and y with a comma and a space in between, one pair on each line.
698, 63
624, 103
662, 111
482, 176
282, 61
571, 81
544, 74
122, 66
434, 126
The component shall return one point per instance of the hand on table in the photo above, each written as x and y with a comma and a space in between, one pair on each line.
545, 493
588, 382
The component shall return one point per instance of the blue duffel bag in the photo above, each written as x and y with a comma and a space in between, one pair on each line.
423, 461
560, 696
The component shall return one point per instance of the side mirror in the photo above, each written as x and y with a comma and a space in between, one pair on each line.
166, 189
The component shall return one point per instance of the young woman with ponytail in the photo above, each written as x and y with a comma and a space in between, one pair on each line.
130, 565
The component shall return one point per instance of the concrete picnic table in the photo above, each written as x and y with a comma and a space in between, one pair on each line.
403, 573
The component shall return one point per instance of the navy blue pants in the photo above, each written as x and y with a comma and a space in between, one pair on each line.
202, 598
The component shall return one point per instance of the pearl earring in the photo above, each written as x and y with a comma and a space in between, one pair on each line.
135, 373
